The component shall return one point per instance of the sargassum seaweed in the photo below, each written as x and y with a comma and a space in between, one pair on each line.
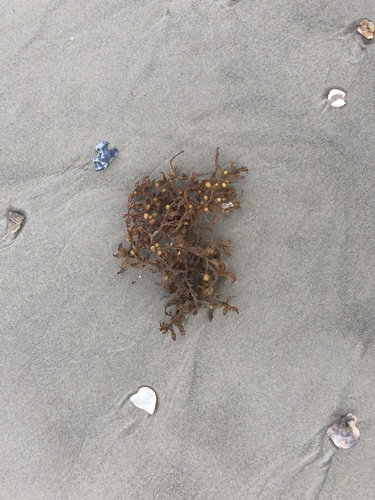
169, 230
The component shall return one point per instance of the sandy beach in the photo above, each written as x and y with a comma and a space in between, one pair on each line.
244, 401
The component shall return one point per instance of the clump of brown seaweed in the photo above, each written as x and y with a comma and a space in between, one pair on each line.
168, 231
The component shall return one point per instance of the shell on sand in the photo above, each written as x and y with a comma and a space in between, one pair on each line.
344, 433
14, 222
145, 399
338, 103
336, 98
366, 28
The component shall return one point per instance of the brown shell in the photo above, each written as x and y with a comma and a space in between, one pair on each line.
344, 433
366, 28
14, 222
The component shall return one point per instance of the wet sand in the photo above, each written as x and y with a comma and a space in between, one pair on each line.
244, 402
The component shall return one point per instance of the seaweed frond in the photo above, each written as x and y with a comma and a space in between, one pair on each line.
169, 230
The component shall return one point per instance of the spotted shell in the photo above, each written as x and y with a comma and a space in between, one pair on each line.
366, 28
343, 432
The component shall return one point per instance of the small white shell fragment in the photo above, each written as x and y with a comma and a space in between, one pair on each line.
344, 432
145, 399
339, 103
14, 222
336, 98
225, 206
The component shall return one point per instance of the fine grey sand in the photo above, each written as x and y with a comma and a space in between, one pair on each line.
244, 402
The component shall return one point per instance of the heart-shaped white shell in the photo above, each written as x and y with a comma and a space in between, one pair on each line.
145, 399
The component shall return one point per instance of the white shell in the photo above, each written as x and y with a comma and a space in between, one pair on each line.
225, 206
339, 103
336, 98
14, 222
336, 93
145, 399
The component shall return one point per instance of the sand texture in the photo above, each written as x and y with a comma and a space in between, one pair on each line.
244, 402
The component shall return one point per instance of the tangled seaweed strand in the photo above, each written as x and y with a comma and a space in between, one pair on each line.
168, 230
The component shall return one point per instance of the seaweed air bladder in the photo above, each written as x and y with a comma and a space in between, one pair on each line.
170, 231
